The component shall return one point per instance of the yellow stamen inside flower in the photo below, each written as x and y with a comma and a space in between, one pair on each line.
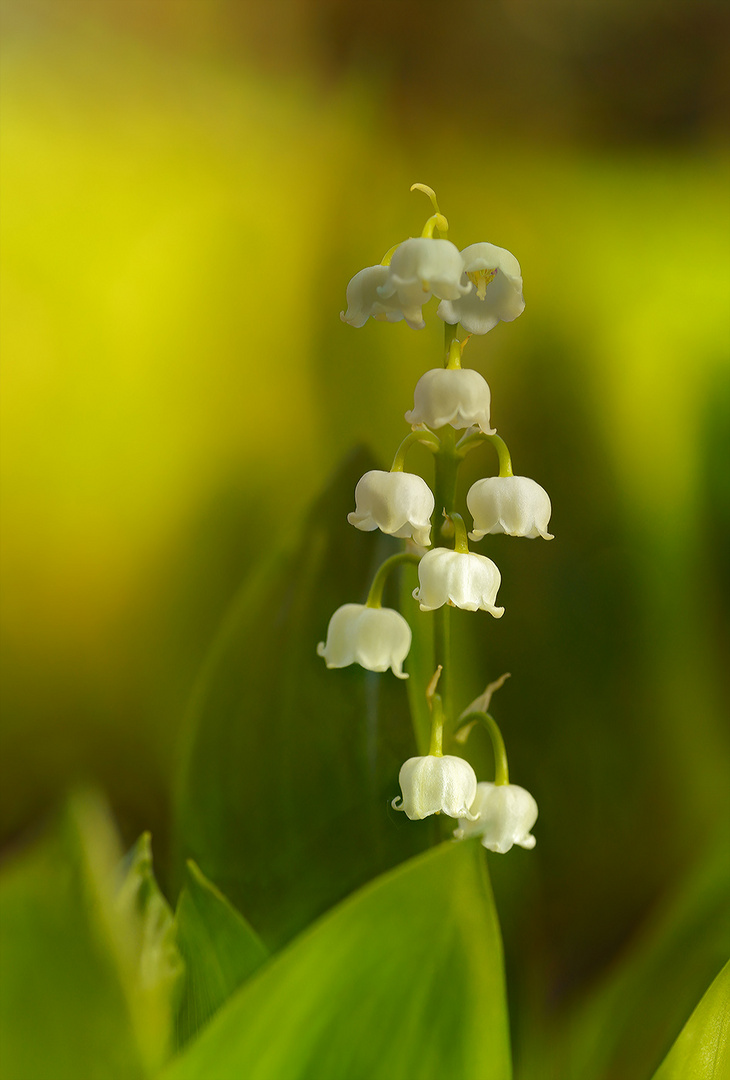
482, 278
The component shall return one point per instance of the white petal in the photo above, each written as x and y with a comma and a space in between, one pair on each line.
398, 503
515, 505
436, 785
459, 397
375, 638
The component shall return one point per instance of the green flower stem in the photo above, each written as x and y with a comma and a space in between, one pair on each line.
426, 437
437, 221
470, 442
460, 539
436, 746
375, 595
449, 339
501, 770
442, 656
446, 464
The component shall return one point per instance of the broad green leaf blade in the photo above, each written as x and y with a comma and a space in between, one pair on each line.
702, 1049
220, 949
147, 916
67, 990
405, 979
290, 768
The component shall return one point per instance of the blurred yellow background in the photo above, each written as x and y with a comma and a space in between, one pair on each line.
188, 186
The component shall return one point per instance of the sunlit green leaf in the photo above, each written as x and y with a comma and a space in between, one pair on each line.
220, 950
290, 768
404, 979
67, 1004
702, 1049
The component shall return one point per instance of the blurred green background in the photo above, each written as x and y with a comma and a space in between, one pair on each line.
187, 187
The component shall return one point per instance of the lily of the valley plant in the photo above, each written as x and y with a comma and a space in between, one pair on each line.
478, 287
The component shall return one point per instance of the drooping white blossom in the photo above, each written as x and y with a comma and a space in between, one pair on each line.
419, 269
436, 785
398, 503
463, 579
363, 299
515, 505
456, 396
504, 814
497, 293
375, 638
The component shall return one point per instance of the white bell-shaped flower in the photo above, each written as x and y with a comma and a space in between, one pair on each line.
463, 579
456, 396
436, 785
398, 503
363, 299
504, 814
376, 638
497, 293
419, 269
514, 505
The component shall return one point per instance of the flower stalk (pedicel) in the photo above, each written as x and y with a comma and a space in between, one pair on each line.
477, 286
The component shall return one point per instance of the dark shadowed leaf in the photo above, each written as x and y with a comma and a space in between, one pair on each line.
290, 768
220, 951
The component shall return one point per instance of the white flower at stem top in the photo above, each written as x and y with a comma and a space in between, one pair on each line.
374, 637
363, 299
462, 579
436, 785
514, 505
419, 269
501, 815
398, 503
497, 293
456, 396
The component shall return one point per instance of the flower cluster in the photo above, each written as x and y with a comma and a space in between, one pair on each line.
477, 287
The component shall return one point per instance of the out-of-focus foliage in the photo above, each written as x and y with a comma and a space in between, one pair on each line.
187, 188
86, 989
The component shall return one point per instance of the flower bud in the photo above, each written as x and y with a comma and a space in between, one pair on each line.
514, 505
497, 293
375, 638
436, 785
464, 580
502, 815
456, 396
398, 503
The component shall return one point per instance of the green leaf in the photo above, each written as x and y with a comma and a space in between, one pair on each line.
68, 1007
220, 949
147, 917
404, 979
702, 1049
290, 768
